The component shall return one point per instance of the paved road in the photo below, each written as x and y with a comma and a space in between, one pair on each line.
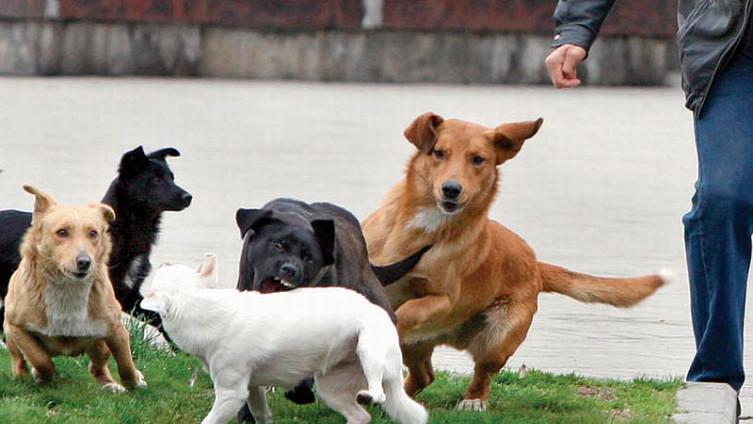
601, 189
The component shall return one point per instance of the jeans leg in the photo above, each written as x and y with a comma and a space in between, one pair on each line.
719, 226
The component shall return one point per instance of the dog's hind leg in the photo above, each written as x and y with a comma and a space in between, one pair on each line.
99, 354
257, 402
506, 328
337, 389
372, 353
27, 347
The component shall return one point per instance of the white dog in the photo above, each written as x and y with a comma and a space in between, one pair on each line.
248, 340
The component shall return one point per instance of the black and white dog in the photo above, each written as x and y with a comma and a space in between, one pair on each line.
143, 189
289, 244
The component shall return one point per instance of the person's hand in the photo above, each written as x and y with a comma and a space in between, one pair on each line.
562, 65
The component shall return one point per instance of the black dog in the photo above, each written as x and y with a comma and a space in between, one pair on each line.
289, 244
143, 189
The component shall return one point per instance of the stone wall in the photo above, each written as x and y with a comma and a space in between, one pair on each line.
452, 41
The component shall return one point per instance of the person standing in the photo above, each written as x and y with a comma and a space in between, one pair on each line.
715, 41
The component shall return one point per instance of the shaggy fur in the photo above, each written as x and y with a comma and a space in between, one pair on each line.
477, 288
60, 300
249, 340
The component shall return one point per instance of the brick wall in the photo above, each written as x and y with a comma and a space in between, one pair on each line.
651, 18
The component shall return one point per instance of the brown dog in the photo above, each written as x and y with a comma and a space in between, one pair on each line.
60, 300
476, 289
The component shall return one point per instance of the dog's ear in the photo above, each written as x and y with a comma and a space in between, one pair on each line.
133, 162
509, 138
156, 301
247, 219
208, 269
107, 212
43, 201
422, 132
324, 230
161, 153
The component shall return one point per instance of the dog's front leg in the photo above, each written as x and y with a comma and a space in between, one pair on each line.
23, 345
227, 402
414, 313
120, 346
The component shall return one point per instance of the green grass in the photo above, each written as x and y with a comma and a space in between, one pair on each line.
73, 397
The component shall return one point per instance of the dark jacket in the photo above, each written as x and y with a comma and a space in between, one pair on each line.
709, 31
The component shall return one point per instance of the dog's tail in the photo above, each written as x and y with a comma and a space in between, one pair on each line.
399, 406
620, 292
388, 274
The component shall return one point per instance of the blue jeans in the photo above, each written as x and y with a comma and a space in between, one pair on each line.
718, 228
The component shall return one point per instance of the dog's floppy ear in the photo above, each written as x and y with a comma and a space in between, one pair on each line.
208, 269
43, 201
509, 138
324, 230
133, 162
422, 132
156, 301
161, 153
247, 219
107, 212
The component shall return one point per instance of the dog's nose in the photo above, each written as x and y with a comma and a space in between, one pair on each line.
290, 271
452, 189
83, 262
186, 198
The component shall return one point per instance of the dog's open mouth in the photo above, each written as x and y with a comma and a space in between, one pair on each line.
274, 285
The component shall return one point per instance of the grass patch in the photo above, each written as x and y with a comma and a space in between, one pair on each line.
74, 397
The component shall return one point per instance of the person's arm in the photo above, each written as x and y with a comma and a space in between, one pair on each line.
577, 24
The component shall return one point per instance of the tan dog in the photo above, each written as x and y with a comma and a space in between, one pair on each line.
60, 300
476, 289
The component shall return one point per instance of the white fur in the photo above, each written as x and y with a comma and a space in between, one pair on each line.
429, 219
249, 340
667, 275
67, 305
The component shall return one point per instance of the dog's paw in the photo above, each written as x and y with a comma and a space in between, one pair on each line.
471, 405
39, 379
365, 397
114, 388
140, 381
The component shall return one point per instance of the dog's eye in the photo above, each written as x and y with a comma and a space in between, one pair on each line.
306, 256
278, 246
477, 160
156, 180
93, 234
439, 154
62, 233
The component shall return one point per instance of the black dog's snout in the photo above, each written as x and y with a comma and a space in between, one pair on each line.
83, 263
290, 271
186, 198
452, 189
